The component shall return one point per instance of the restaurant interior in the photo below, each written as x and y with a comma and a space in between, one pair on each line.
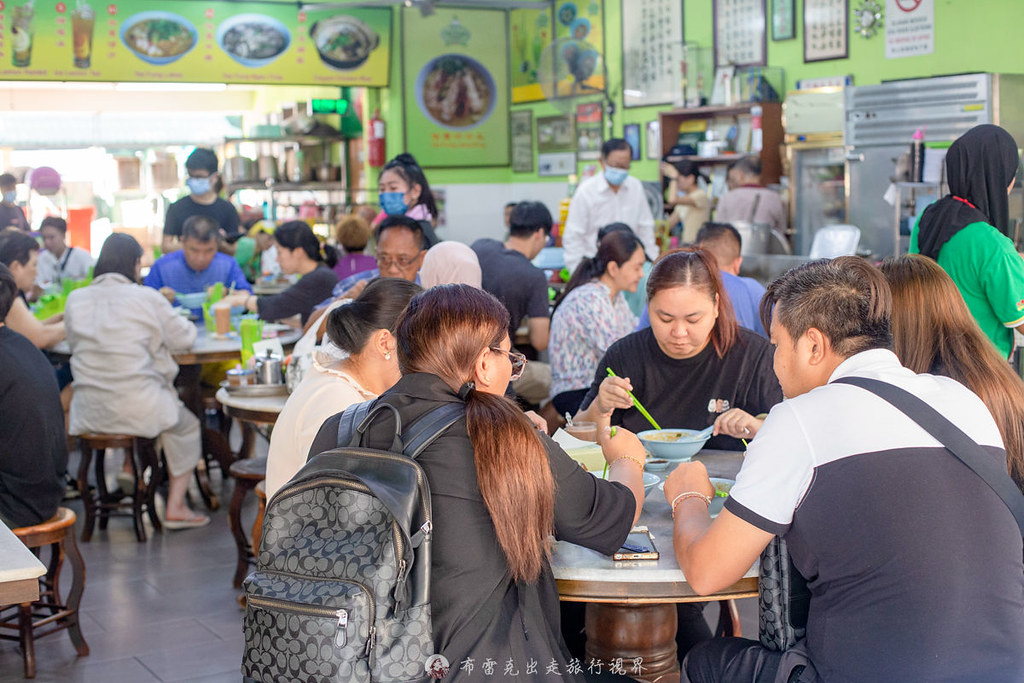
848, 107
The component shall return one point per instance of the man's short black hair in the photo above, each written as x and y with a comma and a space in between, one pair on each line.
202, 159
8, 180
8, 290
17, 247
54, 222
529, 217
614, 145
410, 224
202, 228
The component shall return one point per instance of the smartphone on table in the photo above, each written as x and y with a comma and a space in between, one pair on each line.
639, 545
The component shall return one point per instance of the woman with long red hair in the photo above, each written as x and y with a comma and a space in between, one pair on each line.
499, 487
933, 331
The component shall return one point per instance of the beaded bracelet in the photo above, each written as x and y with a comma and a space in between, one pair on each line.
689, 494
626, 457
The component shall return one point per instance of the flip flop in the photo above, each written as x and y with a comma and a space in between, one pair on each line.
192, 522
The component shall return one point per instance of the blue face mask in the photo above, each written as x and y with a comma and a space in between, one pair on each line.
393, 203
615, 176
198, 185
10, 197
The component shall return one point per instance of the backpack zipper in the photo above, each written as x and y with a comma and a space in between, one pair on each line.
320, 611
340, 638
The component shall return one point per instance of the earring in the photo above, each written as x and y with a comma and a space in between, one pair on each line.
387, 356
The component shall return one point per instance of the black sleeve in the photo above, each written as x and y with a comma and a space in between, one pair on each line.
299, 298
327, 438
590, 512
537, 305
173, 220
229, 221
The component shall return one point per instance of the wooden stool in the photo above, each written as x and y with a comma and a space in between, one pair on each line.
247, 473
212, 409
261, 509
142, 455
58, 533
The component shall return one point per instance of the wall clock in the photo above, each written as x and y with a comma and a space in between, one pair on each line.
867, 18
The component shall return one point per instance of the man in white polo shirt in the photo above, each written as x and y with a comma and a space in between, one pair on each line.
611, 196
913, 562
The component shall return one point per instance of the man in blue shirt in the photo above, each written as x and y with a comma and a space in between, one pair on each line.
198, 264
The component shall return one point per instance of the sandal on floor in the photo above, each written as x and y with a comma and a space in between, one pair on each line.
190, 522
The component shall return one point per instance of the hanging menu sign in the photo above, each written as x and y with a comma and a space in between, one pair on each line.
198, 42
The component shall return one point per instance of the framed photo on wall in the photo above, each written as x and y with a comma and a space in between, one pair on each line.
783, 19
653, 139
522, 141
589, 126
631, 133
826, 30
652, 35
740, 33
556, 134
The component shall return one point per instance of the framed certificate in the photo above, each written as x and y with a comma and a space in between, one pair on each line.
826, 30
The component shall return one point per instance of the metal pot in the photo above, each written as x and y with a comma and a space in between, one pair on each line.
266, 167
239, 170
269, 369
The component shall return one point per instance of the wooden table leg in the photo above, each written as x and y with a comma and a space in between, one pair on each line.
244, 551
639, 639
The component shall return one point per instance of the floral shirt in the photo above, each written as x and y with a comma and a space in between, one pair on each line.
586, 323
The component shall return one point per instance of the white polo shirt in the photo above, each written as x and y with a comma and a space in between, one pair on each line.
73, 264
594, 205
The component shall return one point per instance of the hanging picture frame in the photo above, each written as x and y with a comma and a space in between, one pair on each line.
653, 139
783, 19
652, 37
826, 30
631, 134
589, 130
740, 33
522, 141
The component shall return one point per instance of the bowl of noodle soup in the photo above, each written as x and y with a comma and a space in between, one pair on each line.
158, 37
456, 92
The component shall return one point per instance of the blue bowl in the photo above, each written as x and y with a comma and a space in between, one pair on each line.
136, 19
193, 300
718, 502
266, 25
674, 445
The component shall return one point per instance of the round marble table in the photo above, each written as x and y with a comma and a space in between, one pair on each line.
630, 605
251, 412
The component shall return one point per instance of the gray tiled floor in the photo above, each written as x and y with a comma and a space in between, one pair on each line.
164, 610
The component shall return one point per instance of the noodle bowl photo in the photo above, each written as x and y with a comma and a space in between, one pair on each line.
253, 40
158, 37
456, 92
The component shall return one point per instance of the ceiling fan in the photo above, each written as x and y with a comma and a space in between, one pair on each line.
427, 7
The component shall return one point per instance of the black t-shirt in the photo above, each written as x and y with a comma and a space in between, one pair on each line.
221, 211
33, 445
517, 283
12, 215
466, 559
311, 289
692, 392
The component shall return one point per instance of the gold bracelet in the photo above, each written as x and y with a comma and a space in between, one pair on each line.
626, 457
689, 494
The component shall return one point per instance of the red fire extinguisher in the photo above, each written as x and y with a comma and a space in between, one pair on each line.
377, 141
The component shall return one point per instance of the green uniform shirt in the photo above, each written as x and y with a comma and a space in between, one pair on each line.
989, 273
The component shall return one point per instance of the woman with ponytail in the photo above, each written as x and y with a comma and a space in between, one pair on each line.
363, 329
299, 252
592, 314
499, 487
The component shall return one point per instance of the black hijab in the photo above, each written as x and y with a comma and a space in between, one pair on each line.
979, 167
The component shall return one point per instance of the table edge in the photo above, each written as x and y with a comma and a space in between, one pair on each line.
572, 590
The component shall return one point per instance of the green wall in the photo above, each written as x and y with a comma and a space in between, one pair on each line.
968, 38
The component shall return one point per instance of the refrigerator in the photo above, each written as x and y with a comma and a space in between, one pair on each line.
816, 159
880, 121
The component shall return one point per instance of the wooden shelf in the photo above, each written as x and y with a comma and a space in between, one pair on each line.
740, 109
721, 159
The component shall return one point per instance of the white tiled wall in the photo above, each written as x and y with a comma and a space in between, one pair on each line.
477, 210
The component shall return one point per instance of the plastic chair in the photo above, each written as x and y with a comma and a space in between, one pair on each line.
835, 240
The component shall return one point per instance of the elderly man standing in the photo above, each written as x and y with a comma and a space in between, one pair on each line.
912, 560
612, 196
197, 265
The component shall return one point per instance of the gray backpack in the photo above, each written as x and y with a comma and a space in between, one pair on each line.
341, 590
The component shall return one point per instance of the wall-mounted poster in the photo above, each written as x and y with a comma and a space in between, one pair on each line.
197, 42
909, 28
578, 52
522, 141
652, 36
783, 19
740, 33
589, 134
555, 134
455, 82
825, 30
530, 31
631, 134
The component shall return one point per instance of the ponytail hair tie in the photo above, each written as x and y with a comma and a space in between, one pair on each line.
465, 389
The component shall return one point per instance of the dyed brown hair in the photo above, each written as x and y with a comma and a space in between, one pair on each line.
847, 299
696, 267
934, 332
443, 332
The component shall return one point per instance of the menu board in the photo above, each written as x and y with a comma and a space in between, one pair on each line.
456, 90
198, 42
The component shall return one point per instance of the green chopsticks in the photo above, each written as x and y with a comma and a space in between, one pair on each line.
643, 411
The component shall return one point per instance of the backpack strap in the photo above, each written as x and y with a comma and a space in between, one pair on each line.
952, 437
351, 418
425, 430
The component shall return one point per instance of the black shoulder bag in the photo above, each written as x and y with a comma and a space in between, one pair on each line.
783, 596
